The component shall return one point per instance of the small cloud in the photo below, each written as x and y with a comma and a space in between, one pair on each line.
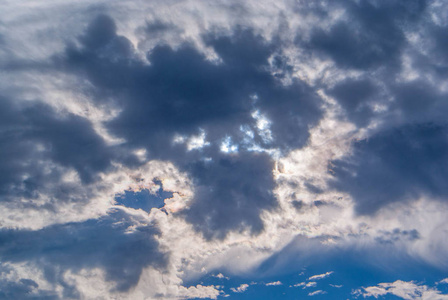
305, 285
318, 292
242, 288
221, 276
298, 284
227, 146
445, 281
274, 283
336, 285
310, 284
320, 276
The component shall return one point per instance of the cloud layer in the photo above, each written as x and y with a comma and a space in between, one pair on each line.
150, 145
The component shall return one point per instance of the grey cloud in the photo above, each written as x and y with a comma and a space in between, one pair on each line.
399, 164
104, 243
231, 193
23, 289
181, 92
389, 237
370, 37
355, 97
32, 136
403, 158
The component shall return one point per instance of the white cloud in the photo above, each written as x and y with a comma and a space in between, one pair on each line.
274, 283
199, 291
318, 292
194, 142
221, 276
242, 288
320, 276
227, 146
402, 289
263, 126
306, 285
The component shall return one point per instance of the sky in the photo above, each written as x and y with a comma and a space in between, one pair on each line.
188, 149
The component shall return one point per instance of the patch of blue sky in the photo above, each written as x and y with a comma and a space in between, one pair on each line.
143, 199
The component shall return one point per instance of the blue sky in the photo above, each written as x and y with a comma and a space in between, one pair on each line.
226, 149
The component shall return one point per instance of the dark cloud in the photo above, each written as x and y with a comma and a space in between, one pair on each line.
111, 243
370, 37
396, 165
177, 91
231, 193
399, 161
355, 97
24, 289
419, 101
35, 139
181, 92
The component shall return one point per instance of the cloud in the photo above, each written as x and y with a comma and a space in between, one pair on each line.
407, 163
402, 289
33, 134
306, 284
274, 283
118, 243
200, 291
171, 97
241, 289
221, 276
369, 24
271, 134
318, 292
320, 276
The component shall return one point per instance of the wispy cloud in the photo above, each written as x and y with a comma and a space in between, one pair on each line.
318, 292
320, 276
274, 283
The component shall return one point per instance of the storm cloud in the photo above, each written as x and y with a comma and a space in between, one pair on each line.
146, 147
